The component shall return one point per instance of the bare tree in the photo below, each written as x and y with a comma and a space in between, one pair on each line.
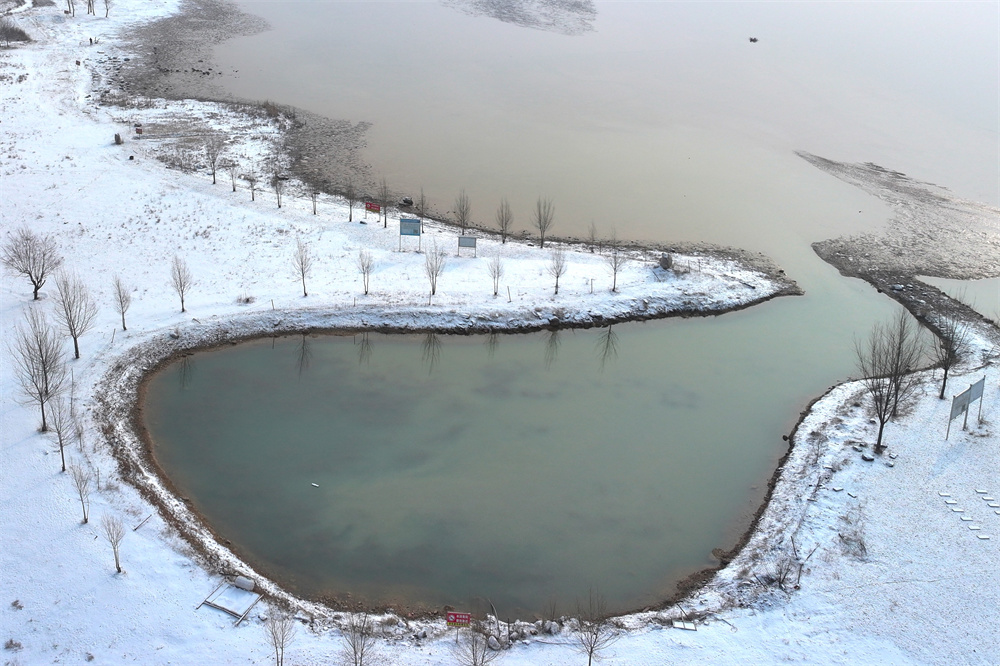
463, 210
592, 238
180, 278
422, 208
434, 262
38, 361
542, 218
557, 265
473, 649
114, 532
302, 261
75, 307
875, 363
107, 8
214, 145
505, 220
122, 296
366, 263
231, 167
280, 631
81, 481
33, 256
360, 640
907, 350
62, 426
496, 272
595, 632
278, 183
351, 194
950, 344
252, 180
71, 7
616, 260
384, 198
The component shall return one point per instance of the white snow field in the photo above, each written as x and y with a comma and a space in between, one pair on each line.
892, 572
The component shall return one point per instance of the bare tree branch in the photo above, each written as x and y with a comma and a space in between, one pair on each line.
496, 270
542, 218
351, 194
122, 296
33, 256
75, 308
595, 632
302, 262
505, 220
279, 629
557, 265
81, 481
463, 210
62, 426
615, 259
114, 532
180, 278
950, 345
366, 263
384, 198
434, 262
39, 365
214, 145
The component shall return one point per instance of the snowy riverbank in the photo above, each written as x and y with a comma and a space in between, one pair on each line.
61, 174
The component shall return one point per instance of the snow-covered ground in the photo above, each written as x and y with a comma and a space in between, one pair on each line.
922, 590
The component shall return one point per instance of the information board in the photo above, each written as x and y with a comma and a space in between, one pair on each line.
409, 226
459, 619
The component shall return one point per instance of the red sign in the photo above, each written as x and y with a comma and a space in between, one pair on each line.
459, 619
373, 207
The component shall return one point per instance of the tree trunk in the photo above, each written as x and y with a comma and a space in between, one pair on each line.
878, 442
76, 346
124, 328
304, 286
944, 383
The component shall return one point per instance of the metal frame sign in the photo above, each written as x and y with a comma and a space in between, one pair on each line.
459, 619
959, 405
467, 241
409, 226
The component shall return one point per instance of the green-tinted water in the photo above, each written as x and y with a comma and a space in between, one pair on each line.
521, 468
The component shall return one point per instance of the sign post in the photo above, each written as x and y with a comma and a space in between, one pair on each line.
467, 241
409, 227
373, 207
458, 620
959, 405
977, 394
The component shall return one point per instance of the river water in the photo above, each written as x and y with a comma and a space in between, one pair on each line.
450, 471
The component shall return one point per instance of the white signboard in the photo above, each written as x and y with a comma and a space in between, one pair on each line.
466, 241
977, 389
960, 403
